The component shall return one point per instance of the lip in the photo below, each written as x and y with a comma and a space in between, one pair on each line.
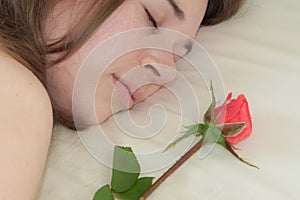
126, 98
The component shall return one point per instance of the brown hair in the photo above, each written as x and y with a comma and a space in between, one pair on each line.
22, 32
220, 10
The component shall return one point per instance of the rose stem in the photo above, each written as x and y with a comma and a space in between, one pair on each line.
171, 170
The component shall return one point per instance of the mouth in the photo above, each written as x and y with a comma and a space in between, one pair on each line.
126, 97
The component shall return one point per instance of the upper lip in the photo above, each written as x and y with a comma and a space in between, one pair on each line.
115, 77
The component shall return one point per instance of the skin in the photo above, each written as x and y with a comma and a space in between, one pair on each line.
61, 76
25, 131
26, 112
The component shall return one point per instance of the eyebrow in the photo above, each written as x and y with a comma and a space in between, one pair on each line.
177, 10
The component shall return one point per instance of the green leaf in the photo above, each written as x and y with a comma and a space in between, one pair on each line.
141, 186
126, 169
103, 193
196, 130
232, 129
209, 115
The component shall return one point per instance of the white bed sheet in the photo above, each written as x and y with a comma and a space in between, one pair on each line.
258, 54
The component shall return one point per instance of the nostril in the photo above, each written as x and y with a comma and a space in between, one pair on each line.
154, 71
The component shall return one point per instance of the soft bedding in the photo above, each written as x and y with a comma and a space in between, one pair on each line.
257, 53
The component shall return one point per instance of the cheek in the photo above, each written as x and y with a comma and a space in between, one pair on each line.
115, 24
124, 18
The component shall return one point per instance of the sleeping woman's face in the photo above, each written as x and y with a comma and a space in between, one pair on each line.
184, 16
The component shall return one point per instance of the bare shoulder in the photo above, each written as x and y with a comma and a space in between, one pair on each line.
25, 131
22, 92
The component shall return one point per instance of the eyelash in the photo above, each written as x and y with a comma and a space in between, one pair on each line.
151, 18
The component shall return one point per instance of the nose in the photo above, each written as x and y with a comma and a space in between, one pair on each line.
159, 66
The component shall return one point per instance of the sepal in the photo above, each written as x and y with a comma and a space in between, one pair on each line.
197, 130
230, 148
209, 115
231, 129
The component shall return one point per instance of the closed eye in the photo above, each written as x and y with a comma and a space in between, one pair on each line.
151, 18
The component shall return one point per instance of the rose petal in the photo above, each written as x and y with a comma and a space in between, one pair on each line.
231, 111
243, 116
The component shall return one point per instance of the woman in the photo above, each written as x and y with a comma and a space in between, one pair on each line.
48, 38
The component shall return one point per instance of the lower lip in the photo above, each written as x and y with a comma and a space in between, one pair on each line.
126, 100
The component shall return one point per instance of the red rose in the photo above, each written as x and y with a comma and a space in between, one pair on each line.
234, 111
226, 125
